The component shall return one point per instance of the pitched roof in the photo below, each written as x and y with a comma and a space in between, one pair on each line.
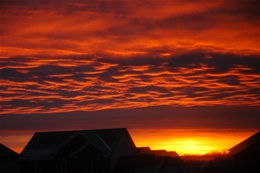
109, 136
6, 152
147, 150
172, 154
244, 144
144, 150
44, 144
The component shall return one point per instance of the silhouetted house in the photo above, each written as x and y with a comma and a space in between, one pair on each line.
147, 150
246, 155
85, 151
172, 154
148, 163
9, 162
217, 165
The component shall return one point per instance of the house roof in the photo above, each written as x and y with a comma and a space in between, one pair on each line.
6, 152
172, 154
45, 144
244, 144
144, 150
147, 150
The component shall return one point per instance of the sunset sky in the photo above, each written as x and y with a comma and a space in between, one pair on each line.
150, 66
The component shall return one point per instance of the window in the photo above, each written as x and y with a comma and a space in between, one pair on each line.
63, 166
91, 166
35, 167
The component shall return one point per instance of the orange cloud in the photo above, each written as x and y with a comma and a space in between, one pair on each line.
126, 28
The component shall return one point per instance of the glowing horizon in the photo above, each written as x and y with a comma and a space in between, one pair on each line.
191, 141
182, 141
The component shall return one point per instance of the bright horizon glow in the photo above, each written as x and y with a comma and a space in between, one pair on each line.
183, 141
194, 147
191, 141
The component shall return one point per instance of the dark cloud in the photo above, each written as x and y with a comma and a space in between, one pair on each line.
159, 117
230, 80
220, 62
146, 89
11, 74
44, 71
249, 10
70, 94
192, 91
96, 101
28, 104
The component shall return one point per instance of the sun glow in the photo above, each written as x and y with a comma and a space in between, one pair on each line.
190, 141
183, 141
186, 146
195, 147
191, 146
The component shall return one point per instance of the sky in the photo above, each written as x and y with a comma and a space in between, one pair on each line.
137, 64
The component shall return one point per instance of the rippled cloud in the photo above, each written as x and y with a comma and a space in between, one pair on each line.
96, 83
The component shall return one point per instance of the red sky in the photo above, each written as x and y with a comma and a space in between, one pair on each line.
135, 64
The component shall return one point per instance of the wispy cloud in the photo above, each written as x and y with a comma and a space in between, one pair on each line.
129, 27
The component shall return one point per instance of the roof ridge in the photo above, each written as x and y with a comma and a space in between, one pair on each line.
117, 139
74, 135
245, 143
7, 152
104, 142
80, 148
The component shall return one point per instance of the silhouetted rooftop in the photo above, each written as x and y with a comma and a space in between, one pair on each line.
144, 150
6, 152
147, 150
244, 144
44, 144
